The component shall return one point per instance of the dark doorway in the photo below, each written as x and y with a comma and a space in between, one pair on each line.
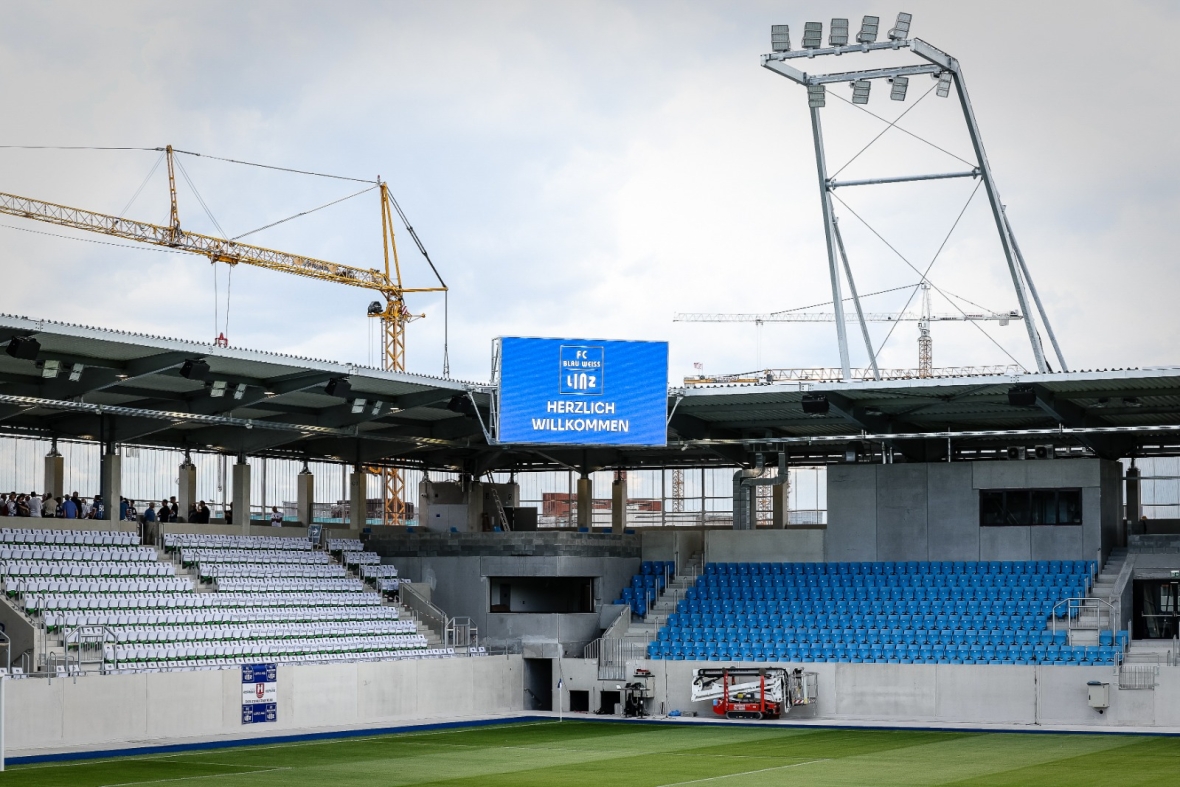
609, 702
579, 702
538, 684
1157, 608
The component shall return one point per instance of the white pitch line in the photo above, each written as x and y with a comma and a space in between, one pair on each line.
190, 778
743, 773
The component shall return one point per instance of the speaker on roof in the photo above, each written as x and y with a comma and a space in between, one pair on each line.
1044, 452
338, 387
815, 404
1022, 396
194, 369
23, 347
1015, 452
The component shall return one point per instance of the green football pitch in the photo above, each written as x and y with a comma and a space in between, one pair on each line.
604, 754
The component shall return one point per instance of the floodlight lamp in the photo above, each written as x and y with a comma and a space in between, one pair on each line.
218, 389
813, 35
240, 391
50, 369
860, 91
780, 38
816, 96
358, 405
838, 33
76, 372
900, 84
376, 408
868, 30
901, 30
944, 85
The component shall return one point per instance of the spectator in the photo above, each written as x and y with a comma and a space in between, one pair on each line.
77, 504
229, 513
173, 510
69, 509
22, 506
100, 508
10, 504
84, 508
122, 509
48, 505
132, 511
34, 504
276, 517
150, 514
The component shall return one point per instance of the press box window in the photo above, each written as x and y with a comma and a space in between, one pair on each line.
1029, 507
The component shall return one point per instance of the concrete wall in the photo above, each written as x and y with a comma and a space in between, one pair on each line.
931, 511
123, 709
672, 543
932, 693
790, 545
460, 588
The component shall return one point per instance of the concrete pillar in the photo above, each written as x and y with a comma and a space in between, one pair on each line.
305, 497
55, 474
618, 505
186, 489
585, 502
1134, 498
781, 504
112, 483
357, 499
241, 495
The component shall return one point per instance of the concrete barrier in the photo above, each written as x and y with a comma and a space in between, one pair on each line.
63, 713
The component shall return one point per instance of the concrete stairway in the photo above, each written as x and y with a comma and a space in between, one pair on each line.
644, 631
1085, 631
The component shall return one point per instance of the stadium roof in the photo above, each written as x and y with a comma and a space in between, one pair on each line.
133, 388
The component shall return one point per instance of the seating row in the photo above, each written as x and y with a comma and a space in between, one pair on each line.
35, 603
207, 571
883, 594
79, 554
360, 558
20, 587
62, 568
67, 537
324, 616
893, 654
892, 581
261, 630
345, 545
803, 612
174, 541
908, 567
193, 556
284, 584
264, 650
379, 572
228, 662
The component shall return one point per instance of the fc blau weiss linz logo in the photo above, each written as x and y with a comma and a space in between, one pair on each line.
581, 370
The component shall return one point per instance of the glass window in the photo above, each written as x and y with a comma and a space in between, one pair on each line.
1029, 507
991, 508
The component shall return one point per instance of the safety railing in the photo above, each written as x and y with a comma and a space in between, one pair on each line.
428, 613
1138, 676
460, 633
87, 646
613, 655
619, 625
1084, 614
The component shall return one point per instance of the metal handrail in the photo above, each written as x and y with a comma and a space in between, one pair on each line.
88, 635
460, 633
1086, 603
428, 612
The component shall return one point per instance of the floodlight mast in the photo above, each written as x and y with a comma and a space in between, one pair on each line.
946, 70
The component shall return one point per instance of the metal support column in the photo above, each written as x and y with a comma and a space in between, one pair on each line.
829, 238
860, 316
993, 197
1036, 297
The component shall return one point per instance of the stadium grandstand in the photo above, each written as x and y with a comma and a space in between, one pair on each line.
777, 577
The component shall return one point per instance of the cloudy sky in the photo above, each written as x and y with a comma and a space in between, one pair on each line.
591, 168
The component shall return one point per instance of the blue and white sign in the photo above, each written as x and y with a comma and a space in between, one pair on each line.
259, 693
583, 392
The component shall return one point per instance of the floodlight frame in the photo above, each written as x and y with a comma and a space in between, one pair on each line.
812, 31
833, 35
939, 64
899, 82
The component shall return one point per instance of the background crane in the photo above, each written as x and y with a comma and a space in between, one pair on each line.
391, 310
924, 319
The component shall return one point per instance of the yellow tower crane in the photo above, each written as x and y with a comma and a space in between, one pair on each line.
393, 312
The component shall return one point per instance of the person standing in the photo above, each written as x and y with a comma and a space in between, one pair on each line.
173, 510
84, 509
48, 505
150, 514
276, 517
100, 508
69, 508
122, 509
34, 505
